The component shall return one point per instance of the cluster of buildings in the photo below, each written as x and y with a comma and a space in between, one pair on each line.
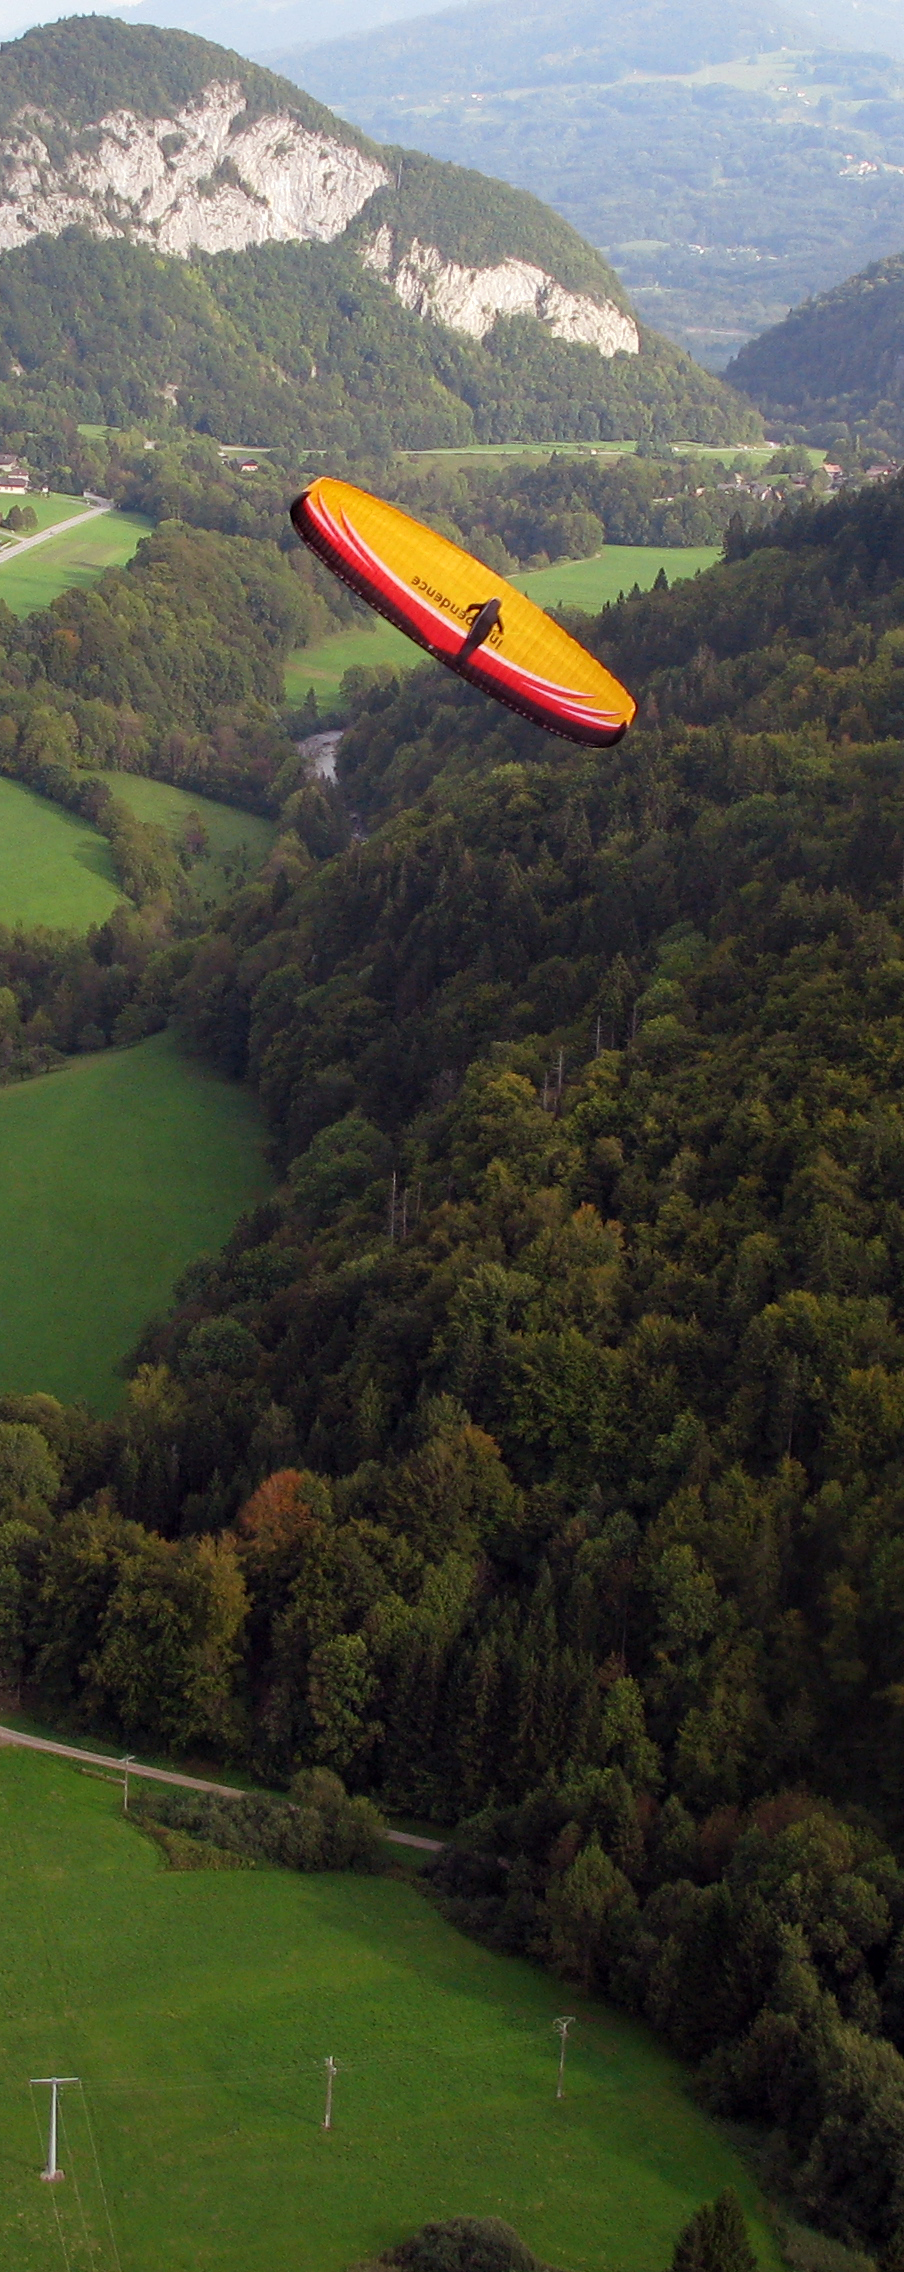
14, 475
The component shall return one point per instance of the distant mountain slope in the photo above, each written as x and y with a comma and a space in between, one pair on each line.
726, 163
262, 24
836, 364
471, 47
338, 294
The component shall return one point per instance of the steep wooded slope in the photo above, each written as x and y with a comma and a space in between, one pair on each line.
310, 262
836, 366
540, 1447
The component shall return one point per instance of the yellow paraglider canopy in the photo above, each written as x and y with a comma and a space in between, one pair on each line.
463, 613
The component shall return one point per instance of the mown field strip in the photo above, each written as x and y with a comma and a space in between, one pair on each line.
76, 557
56, 506
570, 583
114, 1174
197, 2011
55, 869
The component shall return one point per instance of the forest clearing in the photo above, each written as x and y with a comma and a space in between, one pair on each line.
198, 2011
55, 868
114, 1174
237, 842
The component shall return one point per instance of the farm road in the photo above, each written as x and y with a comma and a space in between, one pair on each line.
72, 522
168, 1775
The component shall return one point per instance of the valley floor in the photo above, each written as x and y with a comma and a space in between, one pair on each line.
197, 2011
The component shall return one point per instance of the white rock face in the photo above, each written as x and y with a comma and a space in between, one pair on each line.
156, 180
205, 181
470, 299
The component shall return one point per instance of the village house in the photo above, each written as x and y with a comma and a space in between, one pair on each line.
13, 474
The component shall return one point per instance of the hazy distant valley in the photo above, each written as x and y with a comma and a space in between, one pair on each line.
726, 177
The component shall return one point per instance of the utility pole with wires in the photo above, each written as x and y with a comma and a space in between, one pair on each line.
561, 2028
52, 2172
331, 2071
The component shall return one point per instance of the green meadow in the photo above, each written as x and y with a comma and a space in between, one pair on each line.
324, 664
591, 583
237, 842
76, 557
114, 1174
56, 506
197, 2011
571, 583
55, 869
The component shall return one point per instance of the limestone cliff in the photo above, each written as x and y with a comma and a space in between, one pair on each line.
470, 299
217, 174
202, 179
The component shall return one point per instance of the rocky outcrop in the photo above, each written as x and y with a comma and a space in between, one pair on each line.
471, 299
199, 180
209, 179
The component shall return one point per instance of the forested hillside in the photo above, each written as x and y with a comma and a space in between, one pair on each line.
299, 345
188, 240
539, 1447
835, 368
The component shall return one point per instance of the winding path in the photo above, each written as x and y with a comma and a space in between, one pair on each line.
168, 1774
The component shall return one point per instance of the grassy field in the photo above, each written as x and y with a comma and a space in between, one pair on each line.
197, 2011
236, 841
323, 665
573, 583
56, 506
54, 868
114, 1174
590, 583
78, 556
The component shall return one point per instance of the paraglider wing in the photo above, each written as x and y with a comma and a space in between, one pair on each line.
463, 613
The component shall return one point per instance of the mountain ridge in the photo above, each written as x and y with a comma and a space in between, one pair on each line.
180, 149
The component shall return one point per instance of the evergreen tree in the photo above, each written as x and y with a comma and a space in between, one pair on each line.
715, 2238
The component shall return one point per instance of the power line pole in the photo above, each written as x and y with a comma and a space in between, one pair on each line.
54, 2083
331, 2070
561, 2028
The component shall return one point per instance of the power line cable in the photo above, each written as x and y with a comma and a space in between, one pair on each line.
100, 2175
73, 2166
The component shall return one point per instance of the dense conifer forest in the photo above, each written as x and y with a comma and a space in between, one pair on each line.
833, 370
535, 1455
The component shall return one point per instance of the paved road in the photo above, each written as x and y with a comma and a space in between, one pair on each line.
57, 528
168, 1775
